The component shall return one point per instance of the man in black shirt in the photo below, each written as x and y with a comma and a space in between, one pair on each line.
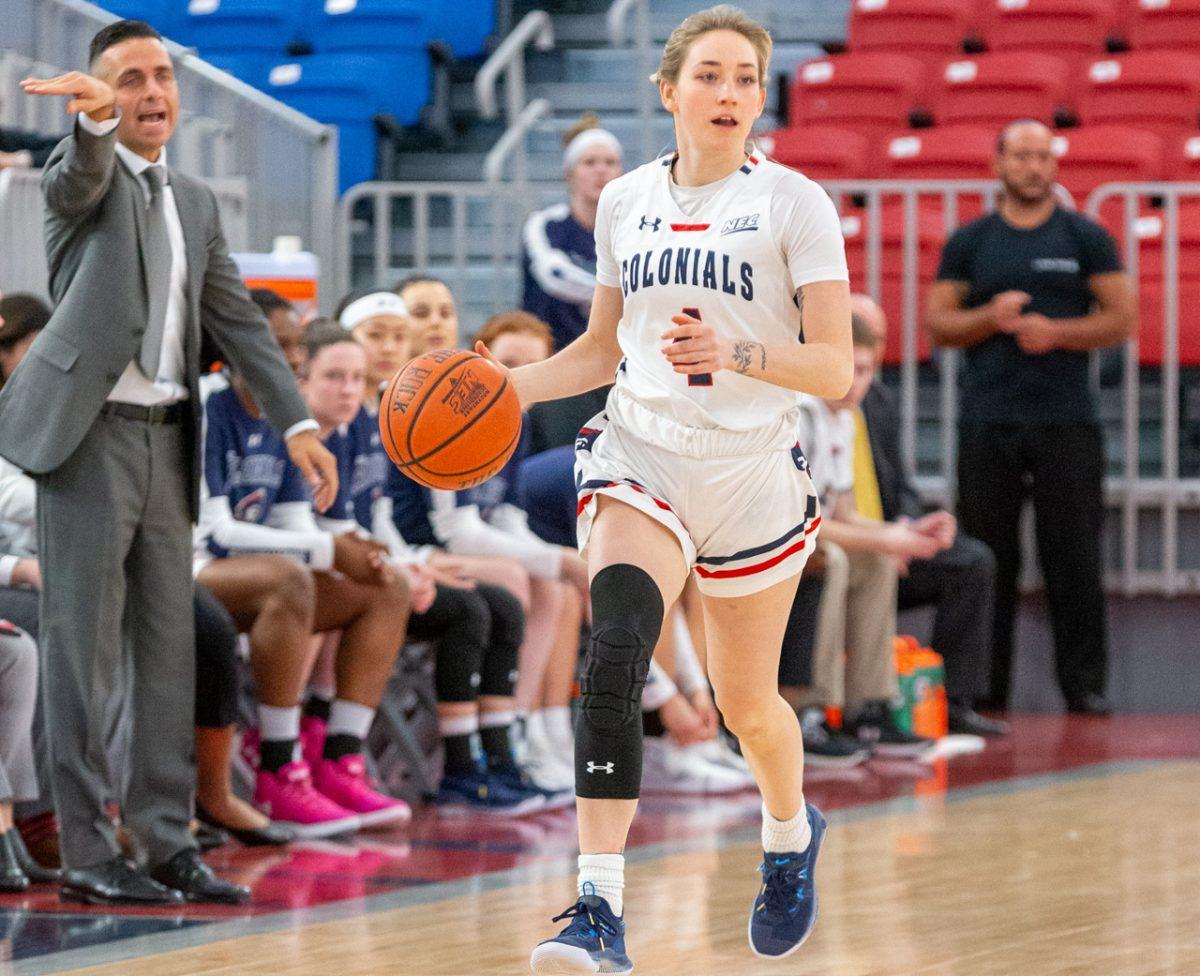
1028, 290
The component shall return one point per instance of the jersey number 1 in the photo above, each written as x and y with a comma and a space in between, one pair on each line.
697, 379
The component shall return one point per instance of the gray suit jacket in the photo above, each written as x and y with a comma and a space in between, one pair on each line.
95, 225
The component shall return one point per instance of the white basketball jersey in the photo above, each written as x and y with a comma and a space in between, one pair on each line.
738, 260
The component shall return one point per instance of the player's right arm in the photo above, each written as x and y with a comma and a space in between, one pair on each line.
75, 180
587, 363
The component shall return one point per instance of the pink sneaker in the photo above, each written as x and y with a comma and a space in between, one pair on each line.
288, 797
345, 781
248, 749
312, 739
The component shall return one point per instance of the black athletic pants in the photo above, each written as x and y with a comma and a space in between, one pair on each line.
1061, 469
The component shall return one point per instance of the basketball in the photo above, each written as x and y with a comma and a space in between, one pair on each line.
450, 419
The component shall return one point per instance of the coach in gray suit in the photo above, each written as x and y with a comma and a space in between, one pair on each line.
104, 411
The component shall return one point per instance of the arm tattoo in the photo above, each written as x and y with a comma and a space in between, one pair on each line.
743, 355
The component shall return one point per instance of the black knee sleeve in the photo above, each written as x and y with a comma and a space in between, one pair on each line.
627, 615
499, 672
460, 646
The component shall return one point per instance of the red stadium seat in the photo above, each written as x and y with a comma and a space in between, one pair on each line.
1071, 29
1090, 156
820, 152
1183, 159
1155, 24
932, 30
994, 89
960, 152
871, 93
1158, 91
1148, 229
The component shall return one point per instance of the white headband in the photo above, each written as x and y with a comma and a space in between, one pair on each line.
377, 303
585, 140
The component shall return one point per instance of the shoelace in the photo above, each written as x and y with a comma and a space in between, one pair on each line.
586, 922
781, 884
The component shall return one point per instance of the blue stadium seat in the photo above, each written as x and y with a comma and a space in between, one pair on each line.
241, 26
369, 26
250, 68
464, 25
162, 15
348, 90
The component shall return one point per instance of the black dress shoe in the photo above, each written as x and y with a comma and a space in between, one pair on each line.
1089, 704
964, 720
272, 835
189, 875
208, 837
12, 877
33, 871
115, 882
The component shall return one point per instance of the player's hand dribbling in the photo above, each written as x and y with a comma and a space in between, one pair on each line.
514, 376
89, 95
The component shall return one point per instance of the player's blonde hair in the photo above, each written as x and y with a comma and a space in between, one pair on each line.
721, 17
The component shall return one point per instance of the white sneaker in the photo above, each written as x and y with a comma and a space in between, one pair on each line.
669, 768
718, 753
545, 767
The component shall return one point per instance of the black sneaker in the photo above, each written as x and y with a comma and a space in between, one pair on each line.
825, 746
964, 720
872, 723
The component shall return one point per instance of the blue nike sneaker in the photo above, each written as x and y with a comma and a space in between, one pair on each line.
593, 942
785, 910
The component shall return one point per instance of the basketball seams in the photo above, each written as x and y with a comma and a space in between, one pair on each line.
452, 367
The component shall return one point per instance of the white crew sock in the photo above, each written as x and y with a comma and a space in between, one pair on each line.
556, 721
350, 718
606, 874
278, 724
780, 836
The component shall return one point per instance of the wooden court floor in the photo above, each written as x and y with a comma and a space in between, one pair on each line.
1096, 873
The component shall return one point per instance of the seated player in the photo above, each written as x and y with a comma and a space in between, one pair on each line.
476, 629
488, 521
854, 665
282, 577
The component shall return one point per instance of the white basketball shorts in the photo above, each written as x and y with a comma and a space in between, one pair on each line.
740, 503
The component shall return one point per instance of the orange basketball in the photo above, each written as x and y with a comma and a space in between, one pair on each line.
450, 419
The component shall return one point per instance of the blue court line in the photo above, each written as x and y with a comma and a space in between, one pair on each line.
138, 947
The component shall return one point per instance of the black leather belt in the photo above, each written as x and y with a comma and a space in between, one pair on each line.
167, 413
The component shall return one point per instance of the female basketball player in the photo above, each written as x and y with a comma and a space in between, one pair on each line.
707, 261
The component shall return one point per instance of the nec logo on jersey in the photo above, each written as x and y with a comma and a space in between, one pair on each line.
652, 224
739, 224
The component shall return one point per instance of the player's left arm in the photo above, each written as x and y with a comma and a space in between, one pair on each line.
821, 365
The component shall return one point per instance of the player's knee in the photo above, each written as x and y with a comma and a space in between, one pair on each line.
395, 596
627, 613
744, 717
293, 586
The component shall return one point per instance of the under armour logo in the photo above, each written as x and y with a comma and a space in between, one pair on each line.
652, 224
600, 767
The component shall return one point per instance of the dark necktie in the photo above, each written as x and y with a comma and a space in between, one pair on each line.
158, 264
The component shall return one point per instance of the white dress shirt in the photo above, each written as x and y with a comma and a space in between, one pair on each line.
170, 383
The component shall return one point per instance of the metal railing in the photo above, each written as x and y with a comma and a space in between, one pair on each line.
23, 254
475, 242
508, 61
643, 41
1170, 492
289, 159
